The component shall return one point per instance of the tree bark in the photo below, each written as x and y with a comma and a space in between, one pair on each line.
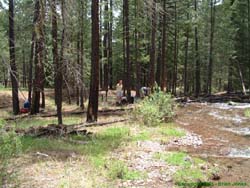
164, 47
186, 58
127, 48
197, 56
210, 64
111, 46
174, 83
39, 47
14, 74
24, 69
92, 112
106, 48
57, 63
81, 55
137, 63
152, 51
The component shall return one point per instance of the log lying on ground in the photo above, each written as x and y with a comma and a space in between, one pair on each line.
63, 130
239, 98
104, 112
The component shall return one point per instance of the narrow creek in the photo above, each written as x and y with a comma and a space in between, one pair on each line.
225, 133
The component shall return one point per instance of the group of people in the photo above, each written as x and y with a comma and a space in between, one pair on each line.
144, 91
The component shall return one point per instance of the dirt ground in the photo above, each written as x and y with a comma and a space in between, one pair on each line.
210, 135
218, 140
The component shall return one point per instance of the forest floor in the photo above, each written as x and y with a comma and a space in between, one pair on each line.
207, 142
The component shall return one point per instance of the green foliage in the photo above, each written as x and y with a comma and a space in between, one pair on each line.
155, 109
96, 147
188, 168
36, 122
175, 158
247, 113
118, 169
145, 135
190, 175
10, 146
172, 131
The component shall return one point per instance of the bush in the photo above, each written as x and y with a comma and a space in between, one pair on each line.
10, 146
157, 108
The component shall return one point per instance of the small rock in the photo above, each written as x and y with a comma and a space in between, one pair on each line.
215, 177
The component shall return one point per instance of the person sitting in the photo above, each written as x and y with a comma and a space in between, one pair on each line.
26, 107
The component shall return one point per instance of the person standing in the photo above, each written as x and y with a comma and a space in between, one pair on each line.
119, 91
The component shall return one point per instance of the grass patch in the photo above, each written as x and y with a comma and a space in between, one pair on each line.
142, 136
188, 169
172, 132
190, 175
96, 149
118, 169
175, 158
247, 113
36, 122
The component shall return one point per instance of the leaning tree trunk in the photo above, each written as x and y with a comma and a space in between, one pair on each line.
57, 64
14, 75
94, 80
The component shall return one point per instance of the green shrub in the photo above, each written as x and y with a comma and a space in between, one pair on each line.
157, 108
119, 170
10, 146
247, 113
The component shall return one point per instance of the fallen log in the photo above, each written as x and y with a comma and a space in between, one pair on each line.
63, 130
101, 112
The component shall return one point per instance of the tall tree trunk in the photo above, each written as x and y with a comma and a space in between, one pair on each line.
101, 45
31, 61
248, 34
124, 49
24, 69
163, 48
210, 64
14, 74
241, 78
39, 47
230, 76
81, 55
159, 54
186, 57
106, 47
94, 81
174, 83
137, 63
152, 51
44, 56
230, 65
78, 65
57, 63
197, 56
127, 48
111, 46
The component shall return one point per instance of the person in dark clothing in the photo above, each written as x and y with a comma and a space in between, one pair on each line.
26, 107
